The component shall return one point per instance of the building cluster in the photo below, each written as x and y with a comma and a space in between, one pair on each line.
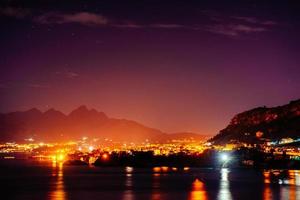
88, 150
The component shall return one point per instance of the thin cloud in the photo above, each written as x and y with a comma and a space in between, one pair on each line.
255, 20
167, 26
127, 25
236, 25
14, 12
84, 18
36, 85
158, 26
68, 74
234, 29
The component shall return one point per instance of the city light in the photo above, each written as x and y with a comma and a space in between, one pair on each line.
91, 148
224, 157
60, 157
105, 156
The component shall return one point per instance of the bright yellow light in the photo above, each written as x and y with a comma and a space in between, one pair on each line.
60, 157
91, 148
53, 158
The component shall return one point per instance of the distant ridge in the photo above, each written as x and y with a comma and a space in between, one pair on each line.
53, 125
273, 123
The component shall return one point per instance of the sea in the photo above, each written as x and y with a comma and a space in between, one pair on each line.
25, 179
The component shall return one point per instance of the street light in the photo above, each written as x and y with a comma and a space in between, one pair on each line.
224, 157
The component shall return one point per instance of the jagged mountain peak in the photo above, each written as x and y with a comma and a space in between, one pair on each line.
52, 124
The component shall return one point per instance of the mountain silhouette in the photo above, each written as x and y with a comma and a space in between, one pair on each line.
53, 125
271, 123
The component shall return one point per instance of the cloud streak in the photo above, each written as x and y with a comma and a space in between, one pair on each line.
68, 74
254, 20
14, 12
234, 29
235, 26
36, 85
84, 18
216, 23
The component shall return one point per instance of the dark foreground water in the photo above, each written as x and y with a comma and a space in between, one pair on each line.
34, 180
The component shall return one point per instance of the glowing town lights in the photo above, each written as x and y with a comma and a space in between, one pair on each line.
60, 157
91, 148
29, 139
104, 156
79, 148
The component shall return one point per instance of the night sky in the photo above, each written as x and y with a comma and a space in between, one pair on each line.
172, 65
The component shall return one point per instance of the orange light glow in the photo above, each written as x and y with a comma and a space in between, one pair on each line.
186, 169
105, 156
174, 168
164, 168
156, 169
198, 191
198, 185
58, 158
267, 177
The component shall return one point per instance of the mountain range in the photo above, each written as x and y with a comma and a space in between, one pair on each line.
259, 123
54, 125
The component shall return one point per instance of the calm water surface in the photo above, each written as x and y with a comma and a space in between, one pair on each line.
40, 180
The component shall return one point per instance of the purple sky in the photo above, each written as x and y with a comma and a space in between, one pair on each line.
173, 66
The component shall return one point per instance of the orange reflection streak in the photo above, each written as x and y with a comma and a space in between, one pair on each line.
292, 191
156, 195
164, 168
128, 193
267, 177
267, 195
198, 191
59, 192
156, 169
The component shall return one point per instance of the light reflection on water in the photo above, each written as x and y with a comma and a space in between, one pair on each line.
156, 194
198, 191
288, 180
201, 185
224, 192
277, 184
57, 173
128, 193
